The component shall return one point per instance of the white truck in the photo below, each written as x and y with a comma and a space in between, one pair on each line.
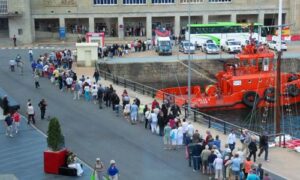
163, 45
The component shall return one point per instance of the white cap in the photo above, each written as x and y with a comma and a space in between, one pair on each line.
112, 162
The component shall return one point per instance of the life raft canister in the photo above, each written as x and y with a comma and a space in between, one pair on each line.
250, 99
211, 90
269, 94
292, 90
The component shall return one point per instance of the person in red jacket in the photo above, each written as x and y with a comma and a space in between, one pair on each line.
155, 104
16, 119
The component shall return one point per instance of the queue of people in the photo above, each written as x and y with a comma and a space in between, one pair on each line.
204, 154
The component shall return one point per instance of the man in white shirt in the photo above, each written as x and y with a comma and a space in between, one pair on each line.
231, 140
30, 113
30, 53
69, 82
12, 64
184, 130
190, 132
88, 80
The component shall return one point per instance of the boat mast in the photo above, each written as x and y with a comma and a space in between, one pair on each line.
278, 72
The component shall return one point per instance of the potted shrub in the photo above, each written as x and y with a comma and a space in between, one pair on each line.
55, 156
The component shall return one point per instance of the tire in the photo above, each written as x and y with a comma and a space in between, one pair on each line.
269, 95
251, 99
292, 90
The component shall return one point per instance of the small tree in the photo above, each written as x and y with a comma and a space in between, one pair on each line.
55, 139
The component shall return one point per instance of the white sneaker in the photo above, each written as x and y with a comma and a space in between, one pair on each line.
11, 135
16, 131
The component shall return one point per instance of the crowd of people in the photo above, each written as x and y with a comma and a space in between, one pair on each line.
204, 153
124, 49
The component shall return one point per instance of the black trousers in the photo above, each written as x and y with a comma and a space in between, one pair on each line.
31, 118
37, 84
43, 111
252, 154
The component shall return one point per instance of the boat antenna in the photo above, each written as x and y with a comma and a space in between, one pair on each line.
277, 111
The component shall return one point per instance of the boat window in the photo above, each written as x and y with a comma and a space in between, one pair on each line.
253, 62
266, 61
245, 63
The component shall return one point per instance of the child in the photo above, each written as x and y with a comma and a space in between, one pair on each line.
16, 119
36, 80
260, 171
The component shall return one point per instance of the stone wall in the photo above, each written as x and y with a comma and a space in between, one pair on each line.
166, 74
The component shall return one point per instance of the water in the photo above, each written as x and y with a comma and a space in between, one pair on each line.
262, 120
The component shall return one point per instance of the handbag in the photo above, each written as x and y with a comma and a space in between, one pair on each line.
157, 129
93, 175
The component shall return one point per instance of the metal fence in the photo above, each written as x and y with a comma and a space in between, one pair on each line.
196, 116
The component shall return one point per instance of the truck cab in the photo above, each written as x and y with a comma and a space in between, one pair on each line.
163, 46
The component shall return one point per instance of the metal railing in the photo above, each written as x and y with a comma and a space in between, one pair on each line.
135, 86
196, 116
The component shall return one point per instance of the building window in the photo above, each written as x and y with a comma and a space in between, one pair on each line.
219, 1
105, 2
192, 1
163, 1
134, 1
3, 6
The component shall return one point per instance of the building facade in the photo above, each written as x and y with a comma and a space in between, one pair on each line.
30, 20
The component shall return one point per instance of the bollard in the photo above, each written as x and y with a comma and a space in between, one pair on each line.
153, 93
224, 127
134, 88
195, 116
143, 89
209, 122
284, 141
124, 83
279, 140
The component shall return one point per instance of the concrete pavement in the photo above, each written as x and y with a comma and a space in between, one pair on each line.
283, 162
92, 133
108, 139
22, 156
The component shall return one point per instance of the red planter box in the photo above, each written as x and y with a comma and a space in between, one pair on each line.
54, 160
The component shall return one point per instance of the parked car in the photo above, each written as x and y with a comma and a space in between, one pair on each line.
232, 46
210, 48
274, 46
186, 46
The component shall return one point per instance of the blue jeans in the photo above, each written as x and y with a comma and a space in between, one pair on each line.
231, 146
117, 109
196, 162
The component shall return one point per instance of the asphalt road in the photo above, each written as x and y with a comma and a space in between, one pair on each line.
92, 133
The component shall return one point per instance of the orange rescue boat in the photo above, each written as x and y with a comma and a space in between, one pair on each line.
246, 83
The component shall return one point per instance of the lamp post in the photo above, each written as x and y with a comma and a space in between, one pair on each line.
189, 59
277, 112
